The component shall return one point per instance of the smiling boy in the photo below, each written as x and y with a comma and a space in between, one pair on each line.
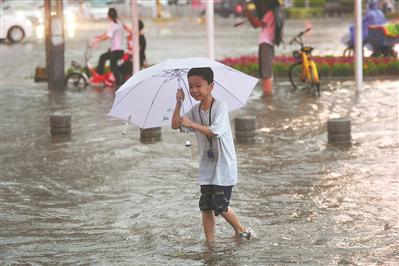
218, 163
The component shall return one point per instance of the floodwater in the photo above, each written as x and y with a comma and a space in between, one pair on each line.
105, 199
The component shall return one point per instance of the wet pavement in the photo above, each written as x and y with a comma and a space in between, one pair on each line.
102, 198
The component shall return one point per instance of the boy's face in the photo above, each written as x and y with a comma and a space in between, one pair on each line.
199, 87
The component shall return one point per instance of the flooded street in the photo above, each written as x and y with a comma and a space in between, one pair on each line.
100, 198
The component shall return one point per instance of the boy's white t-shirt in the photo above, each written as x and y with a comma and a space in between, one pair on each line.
222, 169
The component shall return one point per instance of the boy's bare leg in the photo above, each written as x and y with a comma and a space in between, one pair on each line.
233, 220
208, 221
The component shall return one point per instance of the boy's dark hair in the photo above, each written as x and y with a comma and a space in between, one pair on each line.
112, 14
204, 72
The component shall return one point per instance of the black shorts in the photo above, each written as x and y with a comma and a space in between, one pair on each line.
216, 198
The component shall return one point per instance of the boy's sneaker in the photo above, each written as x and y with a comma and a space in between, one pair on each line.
244, 235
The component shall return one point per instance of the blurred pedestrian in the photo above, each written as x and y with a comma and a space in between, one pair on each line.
265, 20
127, 67
115, 52
387, 6
373, 16
218, 164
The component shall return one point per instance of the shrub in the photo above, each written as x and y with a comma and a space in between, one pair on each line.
324, 69
393, 68
371, 69
312, 3
327, 65
280, 69
318, 3
298, 3
348, 4
342, 70
300, 13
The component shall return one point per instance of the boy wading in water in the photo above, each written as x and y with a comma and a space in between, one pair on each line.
218, 163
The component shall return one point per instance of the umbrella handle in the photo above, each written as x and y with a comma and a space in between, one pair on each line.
126, 124
125, 128
188, 142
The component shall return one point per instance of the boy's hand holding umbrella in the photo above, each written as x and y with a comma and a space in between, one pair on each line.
184, 121
180, 95
177, 120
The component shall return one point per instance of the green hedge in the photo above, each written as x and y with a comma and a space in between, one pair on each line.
312, 3
300, 13
328, 66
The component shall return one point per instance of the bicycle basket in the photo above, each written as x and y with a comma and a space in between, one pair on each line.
75, 64
296, 55
307, 49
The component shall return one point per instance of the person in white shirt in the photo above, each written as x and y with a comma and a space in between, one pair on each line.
218, 163
115, 52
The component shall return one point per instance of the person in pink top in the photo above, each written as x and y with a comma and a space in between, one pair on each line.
115, 52
266, 22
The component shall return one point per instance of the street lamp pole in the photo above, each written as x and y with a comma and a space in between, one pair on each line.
358, 46
210, 30
55, 45
135, 33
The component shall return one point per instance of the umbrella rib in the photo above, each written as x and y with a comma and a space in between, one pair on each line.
243, 104
152, 104
121, 99
116, 104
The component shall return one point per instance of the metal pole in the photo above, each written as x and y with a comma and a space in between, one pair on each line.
128, 13
47, 31
358, 46
159, 8
136, 44
55, 45
210, 30
154, 9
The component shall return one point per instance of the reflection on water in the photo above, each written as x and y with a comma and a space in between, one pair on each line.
103, 198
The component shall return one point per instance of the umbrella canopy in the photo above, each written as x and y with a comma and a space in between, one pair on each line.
148, 98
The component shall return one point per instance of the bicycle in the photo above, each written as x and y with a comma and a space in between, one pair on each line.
303, 73
349, 51
80, 76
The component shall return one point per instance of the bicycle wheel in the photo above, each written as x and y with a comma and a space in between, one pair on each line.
315, 83
388, 51
75, 81
318, 89
295, 74
315, 89
348, 52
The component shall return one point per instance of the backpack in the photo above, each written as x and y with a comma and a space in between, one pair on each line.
278, 24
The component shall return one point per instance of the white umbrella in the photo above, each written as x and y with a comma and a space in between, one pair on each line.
148, 98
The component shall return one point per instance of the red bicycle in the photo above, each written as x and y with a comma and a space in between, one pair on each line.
79, 77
